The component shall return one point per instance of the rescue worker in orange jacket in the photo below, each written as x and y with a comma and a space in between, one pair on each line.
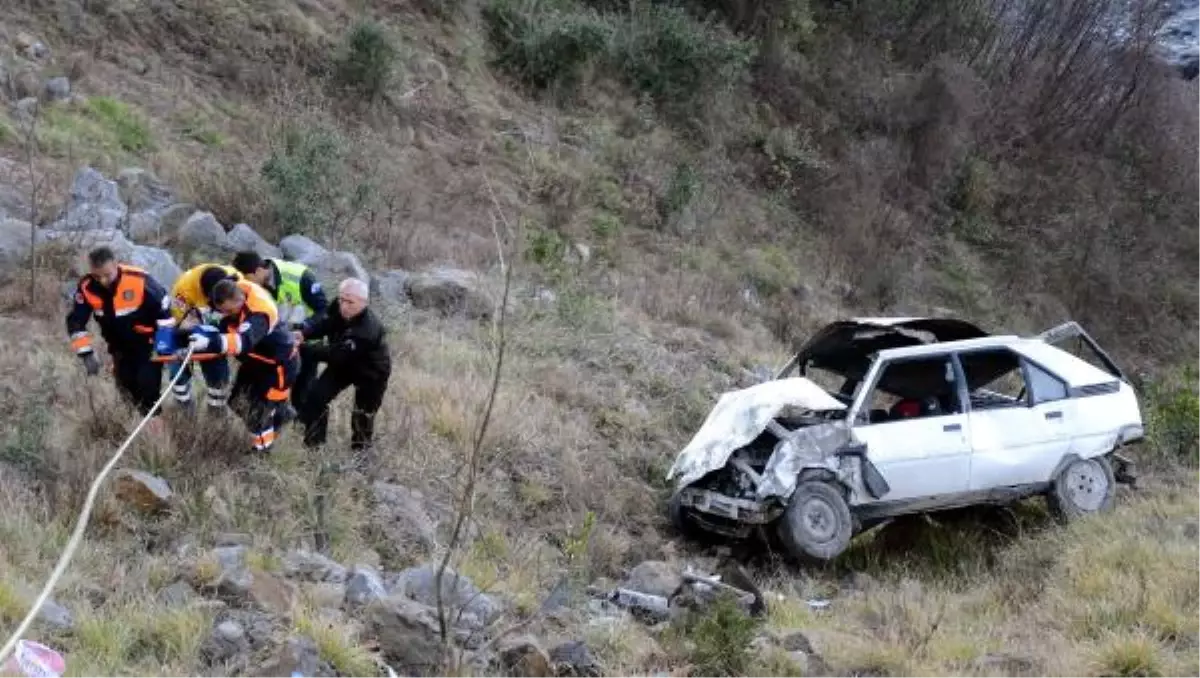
250, 330
127, 303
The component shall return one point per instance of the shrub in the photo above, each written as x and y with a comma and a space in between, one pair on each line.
721, 637
548, 45
1173, 418
312, 188
126, 126
365, 62
677, 60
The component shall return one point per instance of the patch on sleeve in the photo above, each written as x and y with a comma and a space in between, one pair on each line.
316, 287
244, 327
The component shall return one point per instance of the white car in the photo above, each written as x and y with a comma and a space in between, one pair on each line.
913, 415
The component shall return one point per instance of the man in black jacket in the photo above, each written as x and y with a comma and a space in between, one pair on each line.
357, 355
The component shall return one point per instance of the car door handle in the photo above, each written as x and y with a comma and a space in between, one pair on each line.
948, 428
1054, 415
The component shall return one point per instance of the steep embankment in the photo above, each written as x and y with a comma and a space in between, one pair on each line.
677, 204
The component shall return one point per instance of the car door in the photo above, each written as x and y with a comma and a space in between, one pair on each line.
1020, 432
924, 455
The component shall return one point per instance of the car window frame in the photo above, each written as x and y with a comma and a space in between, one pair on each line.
1023, 362
871, 380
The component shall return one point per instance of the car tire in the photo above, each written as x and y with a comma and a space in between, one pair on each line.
1083, 487
680, 521
817, 525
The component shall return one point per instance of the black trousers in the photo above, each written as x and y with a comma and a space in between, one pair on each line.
138, 378
309, 361
256, 396
368, 397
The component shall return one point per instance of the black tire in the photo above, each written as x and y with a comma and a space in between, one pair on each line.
1083, 487
817, 525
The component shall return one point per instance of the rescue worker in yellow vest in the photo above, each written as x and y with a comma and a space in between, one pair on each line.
301, 303
250, 330
127, 303
190, 307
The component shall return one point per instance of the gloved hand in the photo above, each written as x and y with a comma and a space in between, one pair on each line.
205, 339
90, 363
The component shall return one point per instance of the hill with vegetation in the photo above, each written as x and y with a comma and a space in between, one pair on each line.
675, 193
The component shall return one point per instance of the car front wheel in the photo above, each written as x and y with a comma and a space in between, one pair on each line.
1083, 487
817, 525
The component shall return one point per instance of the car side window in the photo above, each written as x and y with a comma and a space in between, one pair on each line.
994, 379
913, 388
1043, 386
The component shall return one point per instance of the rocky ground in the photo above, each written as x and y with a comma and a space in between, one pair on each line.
652, 273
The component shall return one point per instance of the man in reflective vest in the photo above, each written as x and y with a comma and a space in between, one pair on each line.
250, 330
190, 306
300, 300
127, 303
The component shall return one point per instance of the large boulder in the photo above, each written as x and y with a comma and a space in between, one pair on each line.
408, 634
363, 587
202, 231
400, 514
142, 191
334, 267
94, 204
313, 567
390, 288
79, 243
459, 594
302, 249
14, 242
242, 238
158, 263
450, 291
654, 577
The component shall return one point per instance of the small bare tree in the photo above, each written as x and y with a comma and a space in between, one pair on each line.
29, 144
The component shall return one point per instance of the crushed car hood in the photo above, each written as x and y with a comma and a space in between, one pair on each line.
739, 417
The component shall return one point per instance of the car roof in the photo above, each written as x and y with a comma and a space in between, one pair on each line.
1072, 369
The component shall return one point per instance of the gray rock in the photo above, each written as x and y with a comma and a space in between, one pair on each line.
14, 242
654, 577
94, 204
144, 491
302, 249
37, 51
142, 191
389, 288
408, 634
297, 655
202, 230
55, 616
400, 513
26, 109
333, 267
458, 593
145, 227
450, 292
177, 594
158, 263
58, 88
227, 640
363, 587
573, 658
230, 557
78, 243
242, 238
523, 656
172, 218
313, 567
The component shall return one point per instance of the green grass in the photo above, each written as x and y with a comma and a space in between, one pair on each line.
102, 125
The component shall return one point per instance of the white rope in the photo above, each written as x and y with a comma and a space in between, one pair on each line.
86, 513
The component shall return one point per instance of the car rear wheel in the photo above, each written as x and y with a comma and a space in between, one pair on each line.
1082, 487
817, 525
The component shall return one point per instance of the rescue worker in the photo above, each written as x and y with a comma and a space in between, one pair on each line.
127, 303
357, 355
250, 330
299, 298
190, 306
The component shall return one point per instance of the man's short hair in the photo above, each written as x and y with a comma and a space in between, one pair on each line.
248, 262
355, 287
225, 291
101, 256
209, 278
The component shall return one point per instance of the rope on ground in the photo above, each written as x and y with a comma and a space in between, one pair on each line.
84, 515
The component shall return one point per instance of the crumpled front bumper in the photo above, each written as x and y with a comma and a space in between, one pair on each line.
729, 516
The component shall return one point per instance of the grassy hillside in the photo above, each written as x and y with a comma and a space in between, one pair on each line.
693, 194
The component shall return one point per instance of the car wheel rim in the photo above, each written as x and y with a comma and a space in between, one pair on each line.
819, 520
1086, 485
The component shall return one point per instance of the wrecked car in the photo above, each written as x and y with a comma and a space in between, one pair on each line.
874, 418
